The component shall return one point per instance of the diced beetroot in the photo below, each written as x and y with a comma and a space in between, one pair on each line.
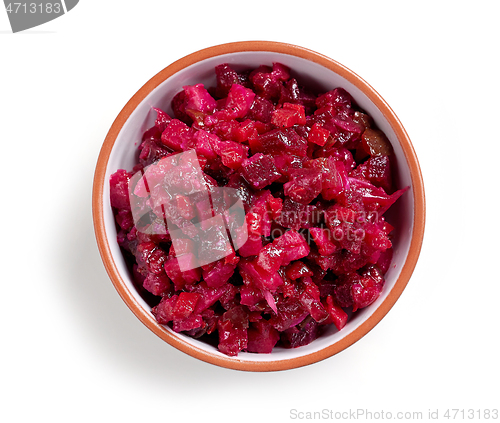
310, 300
376, 170
267, 83
177, 135
260, 170
208, 296
178, 106
251, 296
219, 274
162, 119
290, 313
192, 322
363, 296
185, 305
295, 215
275, 205
305, 185
261, 110
151, 257
219, 250
324, 240
226, 77
260, 214
157, 284
300, 335
285, 163
262, 337
334, 179
232, 329
251, 247
289, 115
270, 258
246, 130
347, 124
262, 279
298, 269
239, 101
204, 144
119, 189
338, 316
294, 246
339, 98
278, 141
164, 311
385, 260
318, 135
124, 219
232, 153
198, 99
180, 279
225, 128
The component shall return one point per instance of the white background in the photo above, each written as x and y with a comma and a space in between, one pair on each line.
71, 350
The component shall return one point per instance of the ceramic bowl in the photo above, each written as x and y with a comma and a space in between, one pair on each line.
312, 69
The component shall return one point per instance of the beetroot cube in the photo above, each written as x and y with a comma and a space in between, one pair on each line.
310, 300
270, 258
232, 153
239, 101
318, 135
282, 140
337, 315
162, 119
226, 77
164, 311
119, 189
376, 170
305, 185
295, 215
261, 110
232, 328
180, 279
124, 219
290, 313
177, 135
194, 321
261, 279
297, 270
246, 130
294, 246
219, 274
259, 170
185, 305
198, 99
157, 284
208, 296
324, 240
204, 144
262, 337
339, 98
251, 247
364, 295
289, 115
303, 334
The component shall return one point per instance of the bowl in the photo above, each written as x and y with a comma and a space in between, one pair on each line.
310, 68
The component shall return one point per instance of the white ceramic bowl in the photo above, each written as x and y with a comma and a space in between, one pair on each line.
119, 151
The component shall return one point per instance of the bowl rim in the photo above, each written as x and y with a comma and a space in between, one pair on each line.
233, 362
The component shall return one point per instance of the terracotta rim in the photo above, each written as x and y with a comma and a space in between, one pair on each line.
235, 363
